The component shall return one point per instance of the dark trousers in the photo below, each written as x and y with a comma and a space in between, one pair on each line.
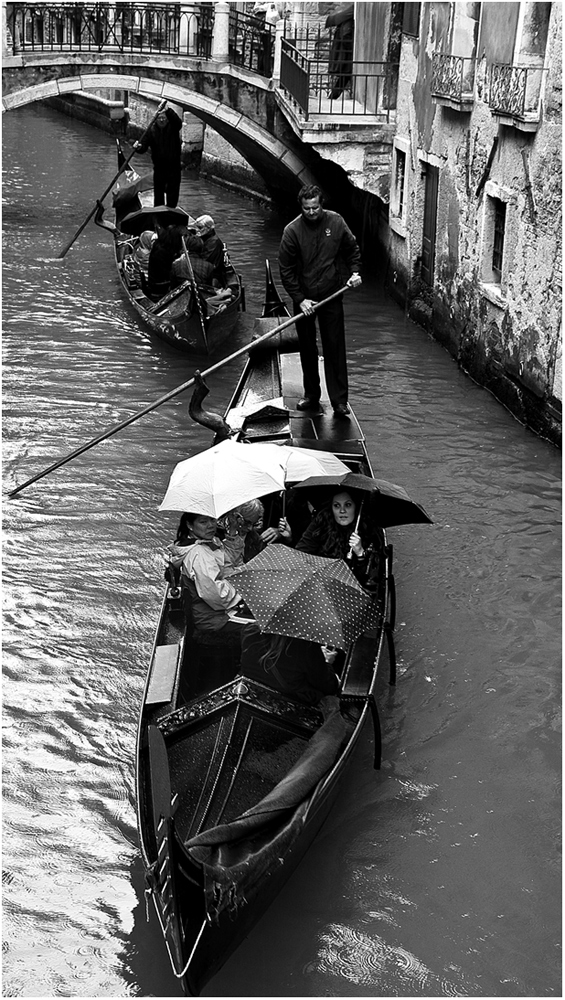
166, 184
332, 334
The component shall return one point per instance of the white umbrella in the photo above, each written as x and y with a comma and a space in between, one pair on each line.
222, 477
297, 462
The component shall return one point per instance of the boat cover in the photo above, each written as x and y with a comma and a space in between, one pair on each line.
235, 856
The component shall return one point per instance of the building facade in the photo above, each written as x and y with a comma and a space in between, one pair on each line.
475, 208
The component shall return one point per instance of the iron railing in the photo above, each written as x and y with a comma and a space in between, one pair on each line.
363, 88
100, 27
251, 43
515, 90
453, 77
179, 29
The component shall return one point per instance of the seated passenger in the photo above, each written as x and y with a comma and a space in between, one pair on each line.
202, 560
244, 536
333, 532
143, 248
295, 667
213, 246
166, 248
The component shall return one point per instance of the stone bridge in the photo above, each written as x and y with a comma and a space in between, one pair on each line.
237, 102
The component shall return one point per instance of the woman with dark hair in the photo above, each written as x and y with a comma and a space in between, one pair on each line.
295, 667
199, 553
338, 532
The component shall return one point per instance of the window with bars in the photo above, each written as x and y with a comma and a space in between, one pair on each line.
398, 186
400, 175
498, 237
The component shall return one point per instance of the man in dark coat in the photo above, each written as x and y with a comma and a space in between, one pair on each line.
341, 52
163, 139
317, 255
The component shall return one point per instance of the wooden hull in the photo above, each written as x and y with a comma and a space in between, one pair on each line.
212, 746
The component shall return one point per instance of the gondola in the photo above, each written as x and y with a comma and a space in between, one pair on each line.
234, 780
192, 317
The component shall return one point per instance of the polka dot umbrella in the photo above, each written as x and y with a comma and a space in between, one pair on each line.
308, 597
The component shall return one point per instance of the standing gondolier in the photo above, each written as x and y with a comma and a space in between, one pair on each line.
314, 249
163, 139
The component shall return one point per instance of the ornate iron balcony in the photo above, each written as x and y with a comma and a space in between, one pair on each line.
515, 91
453, 80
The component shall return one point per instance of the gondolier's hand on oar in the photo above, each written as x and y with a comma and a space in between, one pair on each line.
162, 107
308, 306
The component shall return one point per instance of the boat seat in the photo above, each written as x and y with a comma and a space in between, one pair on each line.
164, 669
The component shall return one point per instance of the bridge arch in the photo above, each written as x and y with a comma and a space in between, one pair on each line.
281, 168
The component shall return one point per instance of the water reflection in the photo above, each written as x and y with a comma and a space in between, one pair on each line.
436, 875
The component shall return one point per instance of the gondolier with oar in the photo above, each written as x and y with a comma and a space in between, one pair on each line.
163, 139
315, 247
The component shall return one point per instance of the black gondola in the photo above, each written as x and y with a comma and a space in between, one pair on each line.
223, 819
192, 317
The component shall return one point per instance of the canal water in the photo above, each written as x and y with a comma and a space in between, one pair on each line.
438, 875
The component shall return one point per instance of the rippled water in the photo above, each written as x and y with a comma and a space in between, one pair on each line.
438, 875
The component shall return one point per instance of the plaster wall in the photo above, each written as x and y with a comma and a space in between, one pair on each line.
505, 333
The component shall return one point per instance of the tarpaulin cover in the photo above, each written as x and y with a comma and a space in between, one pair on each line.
236, 855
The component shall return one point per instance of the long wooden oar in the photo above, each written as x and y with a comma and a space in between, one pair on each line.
195, 291
170, 395
123, 167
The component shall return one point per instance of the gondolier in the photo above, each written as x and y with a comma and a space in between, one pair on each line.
163, 139
315, 248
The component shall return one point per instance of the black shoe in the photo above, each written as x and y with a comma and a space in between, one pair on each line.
342, 411
308, 404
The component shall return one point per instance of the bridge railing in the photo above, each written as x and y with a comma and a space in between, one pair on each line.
317, 87
251, 43
179, 29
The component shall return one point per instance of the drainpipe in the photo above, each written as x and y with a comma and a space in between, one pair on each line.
220, 37
279, 34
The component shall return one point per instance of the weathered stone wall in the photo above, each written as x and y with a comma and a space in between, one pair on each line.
222, 163
506, 334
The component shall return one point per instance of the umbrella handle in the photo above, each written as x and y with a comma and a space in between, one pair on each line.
350, 553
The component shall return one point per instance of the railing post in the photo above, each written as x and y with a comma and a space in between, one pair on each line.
279, 35
221, 32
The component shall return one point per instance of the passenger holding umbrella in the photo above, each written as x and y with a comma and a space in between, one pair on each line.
302, 604
342, 530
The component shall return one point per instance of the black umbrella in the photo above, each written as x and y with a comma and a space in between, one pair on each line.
309, 597
391, 503
136, 222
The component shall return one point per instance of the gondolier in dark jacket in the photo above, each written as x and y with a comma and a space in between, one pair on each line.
163, 139
317, 255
